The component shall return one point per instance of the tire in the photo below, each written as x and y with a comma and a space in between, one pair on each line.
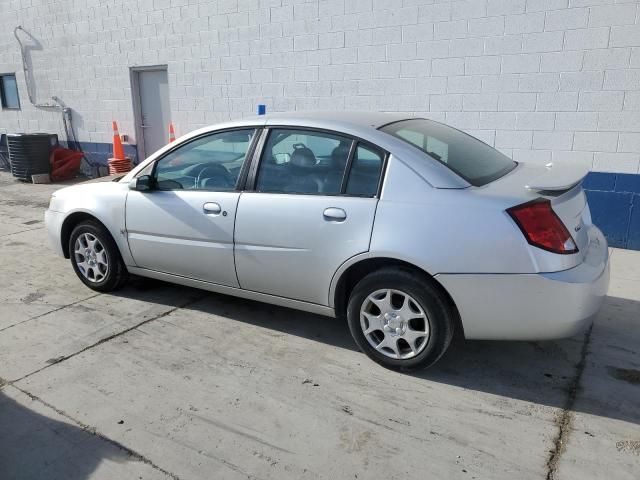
427, 323
102, 269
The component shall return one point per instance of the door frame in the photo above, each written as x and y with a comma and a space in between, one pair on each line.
134, 76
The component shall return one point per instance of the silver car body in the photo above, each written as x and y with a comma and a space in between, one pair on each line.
279, 248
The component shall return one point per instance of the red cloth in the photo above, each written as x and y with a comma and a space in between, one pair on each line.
65, 163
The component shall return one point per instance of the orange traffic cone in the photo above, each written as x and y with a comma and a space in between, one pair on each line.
119, 163
118, 151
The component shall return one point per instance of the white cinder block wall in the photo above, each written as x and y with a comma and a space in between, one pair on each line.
539, 79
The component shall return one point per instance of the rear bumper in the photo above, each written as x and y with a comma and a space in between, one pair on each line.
539, 306
53, 223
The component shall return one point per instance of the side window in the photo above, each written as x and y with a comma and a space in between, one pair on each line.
364, 176
207, 163
303, 161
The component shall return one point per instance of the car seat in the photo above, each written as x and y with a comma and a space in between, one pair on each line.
302, 165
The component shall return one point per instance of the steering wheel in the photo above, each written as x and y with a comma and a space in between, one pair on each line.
219, 173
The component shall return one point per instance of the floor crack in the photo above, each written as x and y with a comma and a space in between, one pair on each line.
21, 231
564, 419
49, 312
86, 427
108, 338
92, 431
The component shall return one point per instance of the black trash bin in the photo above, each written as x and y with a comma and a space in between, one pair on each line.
29, 153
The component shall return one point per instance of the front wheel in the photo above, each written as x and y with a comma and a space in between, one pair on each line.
95, 257
400, 319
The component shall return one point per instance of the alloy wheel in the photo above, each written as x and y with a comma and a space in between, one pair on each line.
394, 323
91, 257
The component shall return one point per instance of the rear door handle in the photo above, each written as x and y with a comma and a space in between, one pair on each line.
212, 208
333, 214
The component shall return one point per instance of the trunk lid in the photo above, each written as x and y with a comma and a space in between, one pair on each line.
560, 183
558, 176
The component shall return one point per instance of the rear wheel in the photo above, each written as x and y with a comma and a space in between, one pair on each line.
95, 257
400, 319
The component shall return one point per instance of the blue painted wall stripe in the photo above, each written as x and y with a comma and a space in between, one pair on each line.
633, 241
614, 199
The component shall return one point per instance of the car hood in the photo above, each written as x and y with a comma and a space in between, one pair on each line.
90, 187
109, 178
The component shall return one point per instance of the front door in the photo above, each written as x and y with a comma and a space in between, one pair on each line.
184, 225
152, 113
306, 216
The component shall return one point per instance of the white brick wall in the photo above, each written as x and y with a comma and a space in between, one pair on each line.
539, 79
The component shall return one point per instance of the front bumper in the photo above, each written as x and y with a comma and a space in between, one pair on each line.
539, 306
53, 223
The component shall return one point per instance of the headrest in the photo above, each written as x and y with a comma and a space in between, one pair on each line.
302, 156
339, 155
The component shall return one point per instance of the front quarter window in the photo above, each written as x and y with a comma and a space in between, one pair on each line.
473, 160
366, 168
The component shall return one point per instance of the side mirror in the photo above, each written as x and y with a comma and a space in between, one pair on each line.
141, 183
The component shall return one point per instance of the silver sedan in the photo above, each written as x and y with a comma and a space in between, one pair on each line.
408, 228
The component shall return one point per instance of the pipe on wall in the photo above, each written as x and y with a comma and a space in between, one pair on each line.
67, 117
27, 78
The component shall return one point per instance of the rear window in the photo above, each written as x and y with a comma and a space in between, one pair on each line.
473, 160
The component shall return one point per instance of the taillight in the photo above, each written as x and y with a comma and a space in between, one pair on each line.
542, 227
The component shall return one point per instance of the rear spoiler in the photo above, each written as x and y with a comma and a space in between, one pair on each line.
560, 176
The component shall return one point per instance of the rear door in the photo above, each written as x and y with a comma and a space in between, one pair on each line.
184, 225
312, 208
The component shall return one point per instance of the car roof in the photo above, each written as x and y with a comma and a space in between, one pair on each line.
337, 119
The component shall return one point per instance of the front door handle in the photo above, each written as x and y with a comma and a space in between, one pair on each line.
333, 214
212, 208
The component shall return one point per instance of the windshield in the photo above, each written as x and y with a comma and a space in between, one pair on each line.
473, 160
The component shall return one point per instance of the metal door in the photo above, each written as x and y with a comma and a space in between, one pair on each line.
151, 94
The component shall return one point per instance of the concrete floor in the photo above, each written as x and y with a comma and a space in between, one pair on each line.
161, 381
